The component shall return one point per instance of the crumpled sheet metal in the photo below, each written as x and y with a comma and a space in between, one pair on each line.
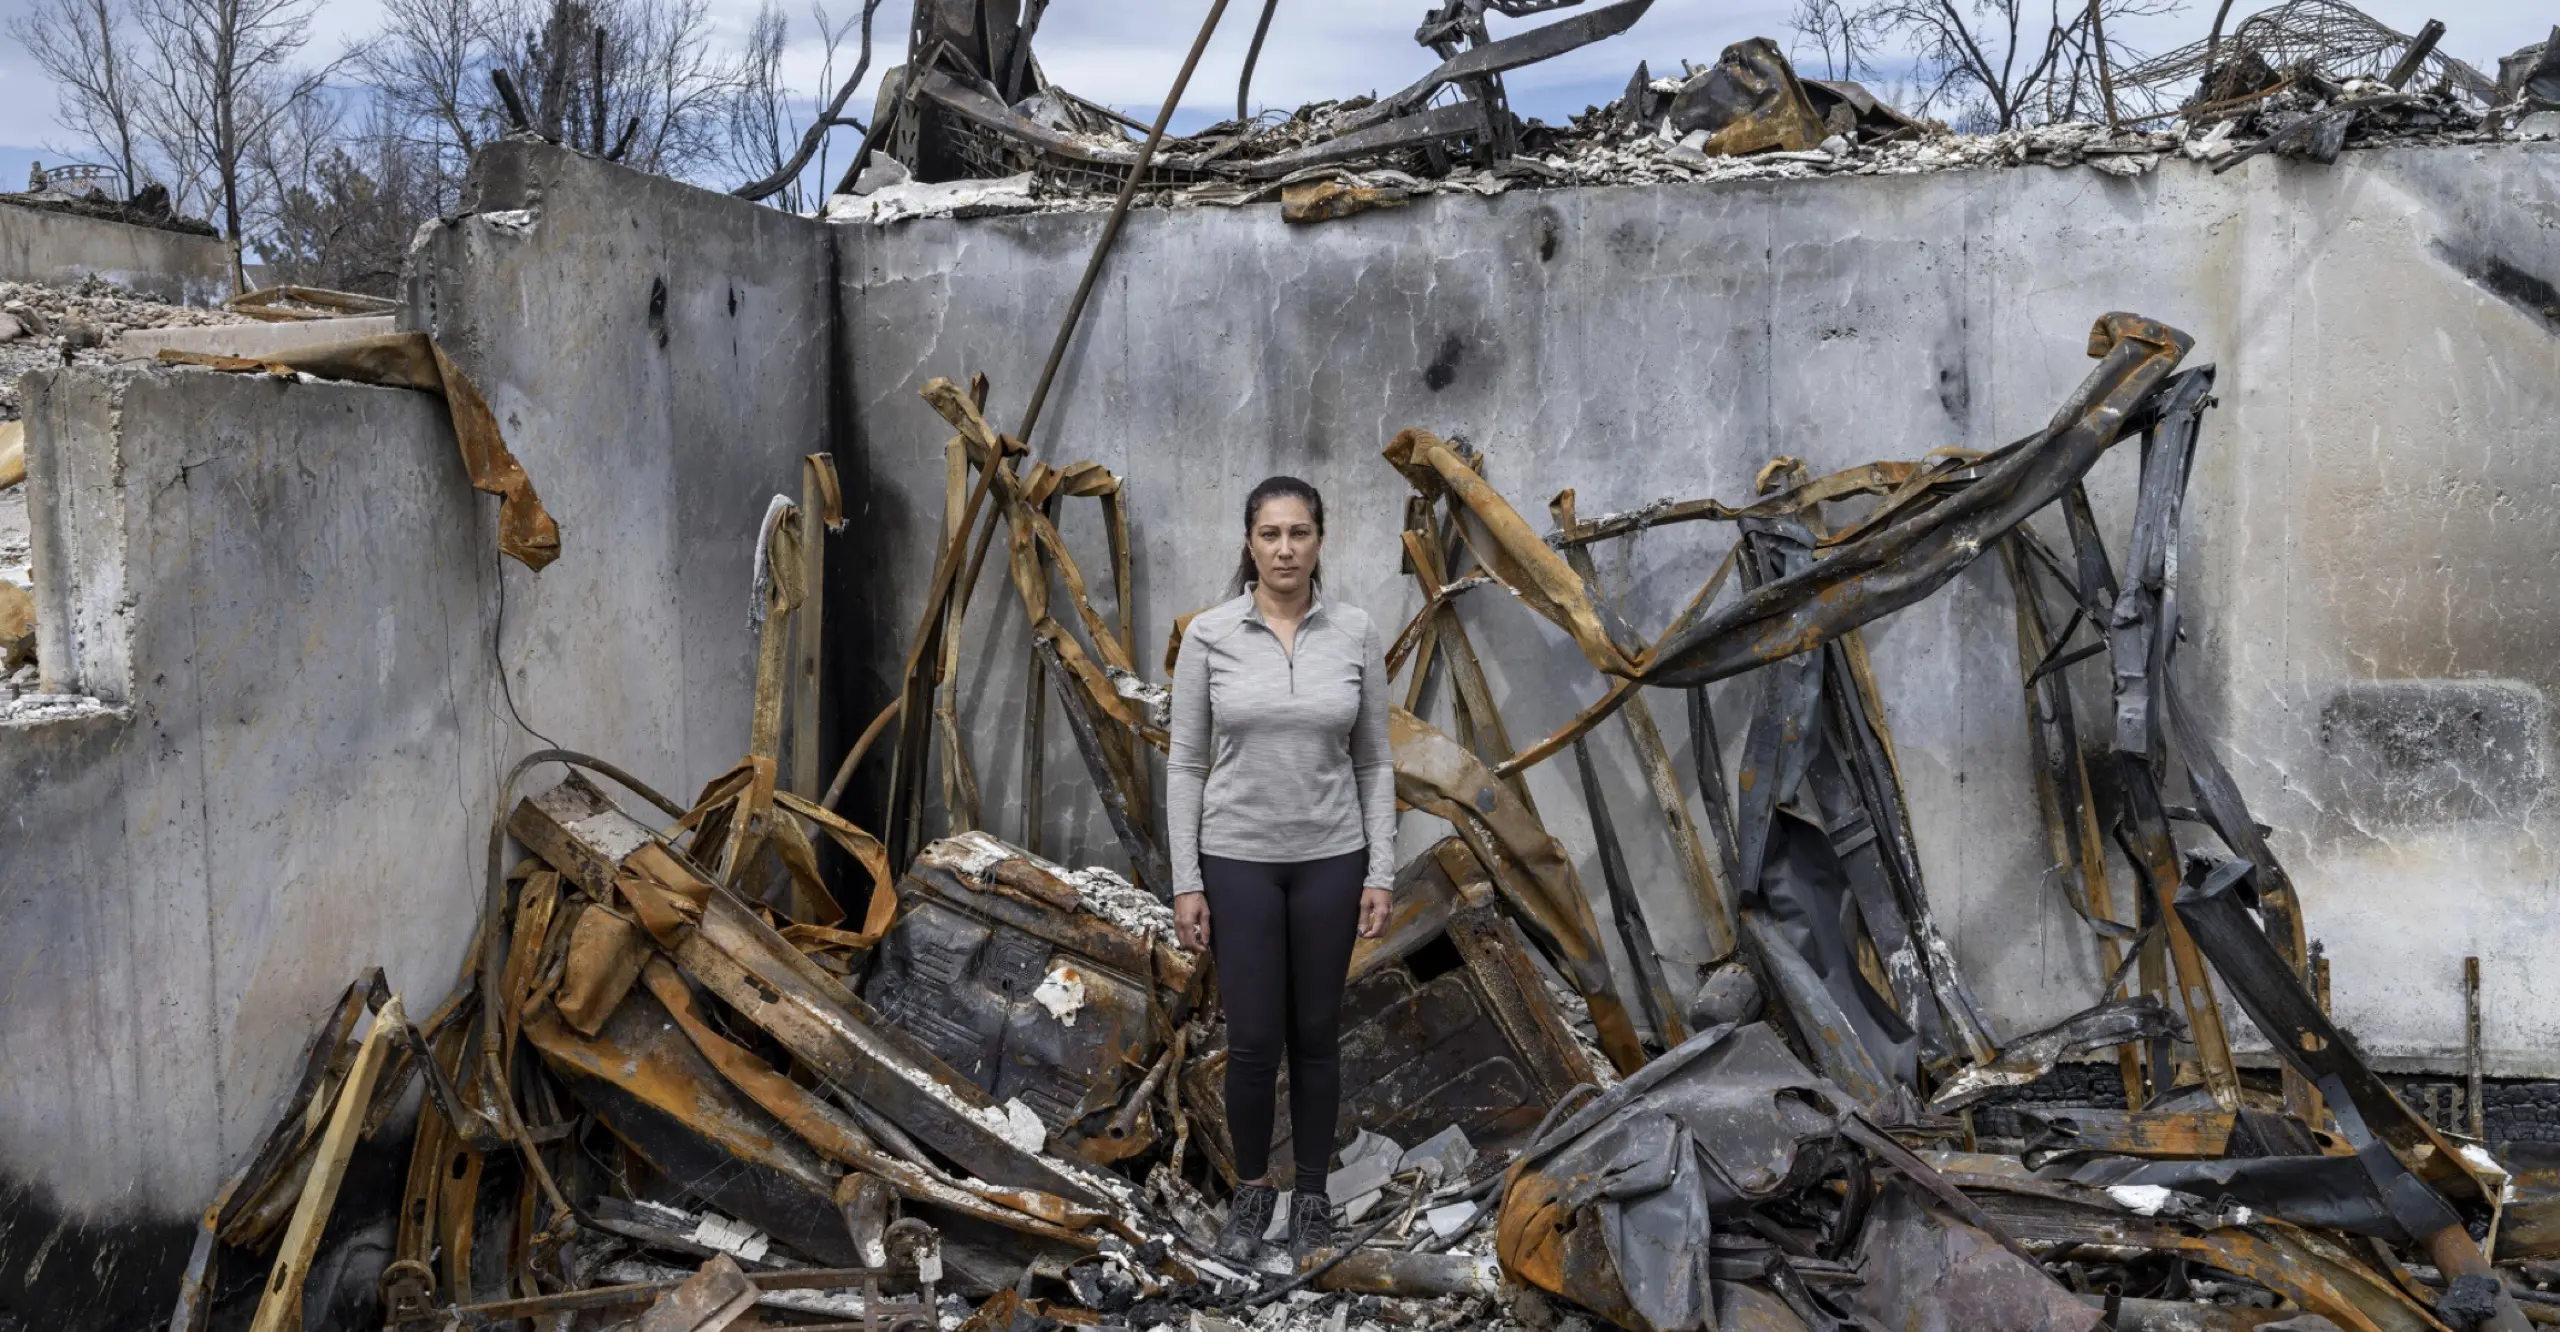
994, 966
723, 945
1613, 1208
1898, 564
2032, 1055
1436, 774
1929, 1272
414, 361
1617, 1206
1749, 101
2286, 1013
2312, 1270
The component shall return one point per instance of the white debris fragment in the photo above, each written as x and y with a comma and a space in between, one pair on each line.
1157, 699
2140, 1199
41, 709
1061, 991
952, 198
734, 1238
880, 173
972, 853
518, 221
1022, 1127
1449, 1220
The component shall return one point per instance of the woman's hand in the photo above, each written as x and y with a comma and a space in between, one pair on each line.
1191, 920
1375, 903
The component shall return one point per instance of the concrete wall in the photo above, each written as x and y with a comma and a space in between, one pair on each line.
658, 357
288, 600
2366, 550
39, 245
279, 587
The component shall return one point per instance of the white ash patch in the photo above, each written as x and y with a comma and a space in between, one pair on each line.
1061, 991
32, 709
1119, 901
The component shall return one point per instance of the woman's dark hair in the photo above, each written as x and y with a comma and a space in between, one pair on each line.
1272, 488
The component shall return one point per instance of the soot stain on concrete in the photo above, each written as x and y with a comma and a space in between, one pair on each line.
1955, 387
1546, 236
1443, 370
658, 309
2528, 292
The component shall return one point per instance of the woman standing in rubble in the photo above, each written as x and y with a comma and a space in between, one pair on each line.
1281, 801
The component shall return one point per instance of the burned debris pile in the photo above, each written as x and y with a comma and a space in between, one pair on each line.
699, 1074
971, 126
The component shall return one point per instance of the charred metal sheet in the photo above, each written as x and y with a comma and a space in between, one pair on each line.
2169, 1133
1615, 1208
2322, 1192
659, 1095
1660, 1007
750, 967
1886, 569
2031, 1056
1749, 101
994, 966
1927, 1272
2292, 1021
2317, 1274
1491, 58
1800, 886
1445, 1022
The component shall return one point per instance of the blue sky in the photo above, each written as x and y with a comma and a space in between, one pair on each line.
1125, 54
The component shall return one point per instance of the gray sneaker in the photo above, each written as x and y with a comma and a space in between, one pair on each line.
1310, 1224
1248, 1215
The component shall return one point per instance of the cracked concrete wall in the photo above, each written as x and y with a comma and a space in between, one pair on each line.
292, 600
2369, 529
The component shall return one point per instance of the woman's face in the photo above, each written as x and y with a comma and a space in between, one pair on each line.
1284, 543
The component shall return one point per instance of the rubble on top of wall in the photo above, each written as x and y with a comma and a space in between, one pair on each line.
1748, 116
42, 326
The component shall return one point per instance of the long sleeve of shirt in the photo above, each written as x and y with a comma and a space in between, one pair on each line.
1186, 764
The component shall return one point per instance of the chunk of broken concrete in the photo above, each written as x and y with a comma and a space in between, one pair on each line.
1449, 1220
880, 173
1446, 1156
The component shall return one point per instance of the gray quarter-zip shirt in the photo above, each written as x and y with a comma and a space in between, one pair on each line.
1280, 755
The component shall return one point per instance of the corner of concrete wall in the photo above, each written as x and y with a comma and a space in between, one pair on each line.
77, 527
658, 357
296, 577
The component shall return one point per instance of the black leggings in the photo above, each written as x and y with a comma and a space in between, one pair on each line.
1283, 936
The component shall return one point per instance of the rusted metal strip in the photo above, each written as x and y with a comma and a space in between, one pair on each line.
1478, 717
1435, 774
822, 500
1661, 1007
1514, 553
2283, 1009
2062, 790
280, 1305
1715, 898
1895, 566
758, 973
